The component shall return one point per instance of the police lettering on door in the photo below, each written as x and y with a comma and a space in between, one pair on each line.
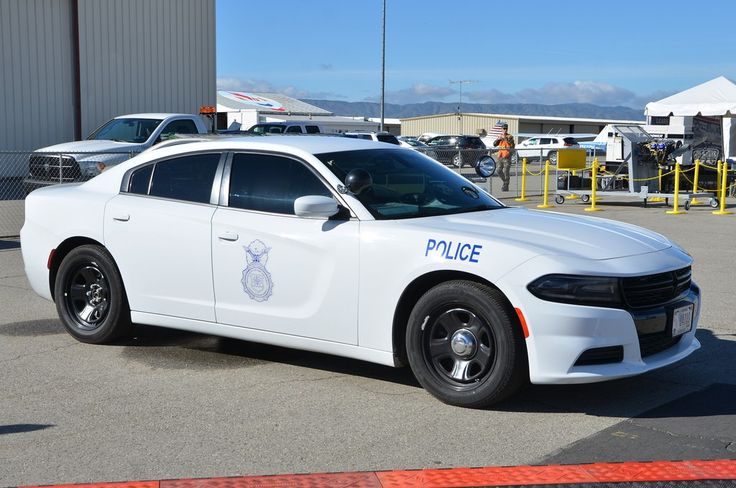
453, 251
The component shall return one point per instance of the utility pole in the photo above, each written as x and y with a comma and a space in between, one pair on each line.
460, 105
383, 63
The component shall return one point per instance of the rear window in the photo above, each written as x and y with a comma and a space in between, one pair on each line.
391, 139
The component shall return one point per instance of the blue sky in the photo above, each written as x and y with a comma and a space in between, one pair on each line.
607, 53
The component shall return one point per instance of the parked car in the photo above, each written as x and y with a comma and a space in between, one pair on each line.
286, 128
457, 150
545, 147
115, 141
364, 250
374, 136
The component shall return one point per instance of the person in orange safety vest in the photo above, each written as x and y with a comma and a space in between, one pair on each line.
506, 142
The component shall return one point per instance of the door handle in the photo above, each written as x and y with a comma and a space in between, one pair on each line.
228, 236
121, 217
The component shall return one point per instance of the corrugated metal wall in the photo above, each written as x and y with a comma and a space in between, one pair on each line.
36, 59
472, 124
145, 56
135, 56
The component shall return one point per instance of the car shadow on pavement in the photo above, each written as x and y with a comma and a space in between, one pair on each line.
22, 428
184, 350
32, 328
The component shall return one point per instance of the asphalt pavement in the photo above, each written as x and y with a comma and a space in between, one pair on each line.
169, 404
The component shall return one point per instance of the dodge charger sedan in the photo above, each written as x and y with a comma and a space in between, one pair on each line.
359, 249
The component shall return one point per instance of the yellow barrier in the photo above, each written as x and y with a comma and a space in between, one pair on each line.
695, 201
523, 197
676, 200
659, 188
724, 184
593, 185
545, 203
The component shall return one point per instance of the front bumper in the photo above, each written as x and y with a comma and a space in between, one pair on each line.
622, 342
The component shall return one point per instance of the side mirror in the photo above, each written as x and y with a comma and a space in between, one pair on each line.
358, 180
315, 206
485, 166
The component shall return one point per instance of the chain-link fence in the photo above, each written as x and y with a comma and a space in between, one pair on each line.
23, 172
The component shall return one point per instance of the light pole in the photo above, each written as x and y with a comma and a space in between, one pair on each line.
460, 105
383, 63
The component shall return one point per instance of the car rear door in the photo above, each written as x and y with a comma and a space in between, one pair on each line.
158, 231
275, 271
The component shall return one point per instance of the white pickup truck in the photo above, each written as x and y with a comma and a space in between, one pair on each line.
112, 143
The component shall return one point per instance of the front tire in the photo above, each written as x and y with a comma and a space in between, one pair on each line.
457, 160
464, 345
90, 297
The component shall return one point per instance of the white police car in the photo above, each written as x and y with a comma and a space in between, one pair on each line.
359, 249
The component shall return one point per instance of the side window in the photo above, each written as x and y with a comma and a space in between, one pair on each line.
178, 127
140, 180
269, 183
294, 129
312, 129
545, 140
533, 141
186, 178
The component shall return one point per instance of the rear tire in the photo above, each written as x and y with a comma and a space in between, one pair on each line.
90, 297
465, 346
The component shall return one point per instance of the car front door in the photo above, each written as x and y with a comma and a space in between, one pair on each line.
275, 271
158, 231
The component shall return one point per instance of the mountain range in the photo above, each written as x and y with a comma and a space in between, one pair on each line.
392, 110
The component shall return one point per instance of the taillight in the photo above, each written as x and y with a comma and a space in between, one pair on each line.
50, 261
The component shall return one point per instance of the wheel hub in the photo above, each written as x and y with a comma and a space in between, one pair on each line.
464, 343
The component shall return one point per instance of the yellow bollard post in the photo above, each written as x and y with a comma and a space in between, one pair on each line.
718, 178
545, 203
523, 197
676, 200
694, 201
659, 187
723, 185
593, 185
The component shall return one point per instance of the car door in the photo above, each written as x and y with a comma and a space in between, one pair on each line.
530, 148
273, 270
158, 231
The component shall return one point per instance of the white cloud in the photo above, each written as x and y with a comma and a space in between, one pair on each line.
419, 92
576, 92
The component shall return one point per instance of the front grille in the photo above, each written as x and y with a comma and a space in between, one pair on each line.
657, 289
54, 169
653, 343
601, 355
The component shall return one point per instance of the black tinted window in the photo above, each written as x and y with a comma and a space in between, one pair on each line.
294, 129
389, 138
140, 179
312, 129
269, 183
187, 178
179, 127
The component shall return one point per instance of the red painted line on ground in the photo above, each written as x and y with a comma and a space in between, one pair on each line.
462, 477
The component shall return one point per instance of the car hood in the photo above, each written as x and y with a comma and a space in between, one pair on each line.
549, 233
96, 146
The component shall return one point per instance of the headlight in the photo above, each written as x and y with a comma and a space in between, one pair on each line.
597, 291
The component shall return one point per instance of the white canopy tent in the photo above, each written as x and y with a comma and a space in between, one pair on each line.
714, 98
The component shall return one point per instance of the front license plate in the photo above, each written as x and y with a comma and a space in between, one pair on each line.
682, 320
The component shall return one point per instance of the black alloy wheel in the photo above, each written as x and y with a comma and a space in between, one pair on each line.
90, 297
465, 345
459, 347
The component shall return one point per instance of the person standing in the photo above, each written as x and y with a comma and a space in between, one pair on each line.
506, 142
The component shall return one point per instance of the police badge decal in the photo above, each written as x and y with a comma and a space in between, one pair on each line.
256, 280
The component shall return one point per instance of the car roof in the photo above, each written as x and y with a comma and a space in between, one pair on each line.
151, 116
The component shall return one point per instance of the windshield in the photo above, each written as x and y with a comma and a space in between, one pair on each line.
267, 129
407, 184
126, 130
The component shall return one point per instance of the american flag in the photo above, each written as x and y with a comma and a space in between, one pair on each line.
497, 130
